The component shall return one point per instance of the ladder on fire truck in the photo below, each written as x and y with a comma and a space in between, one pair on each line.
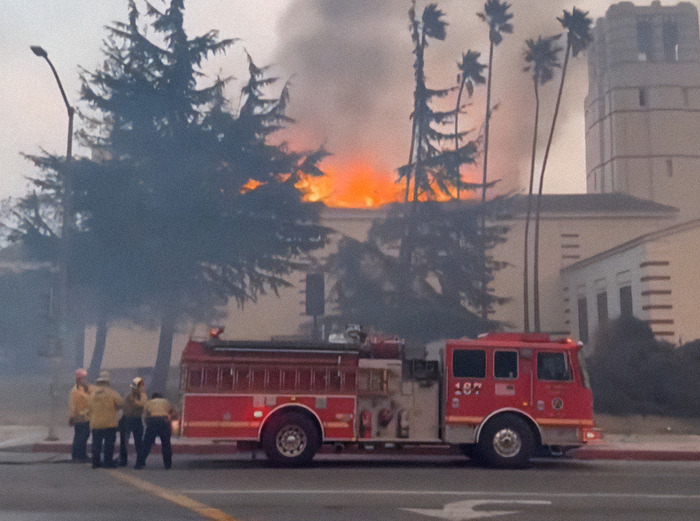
275, 367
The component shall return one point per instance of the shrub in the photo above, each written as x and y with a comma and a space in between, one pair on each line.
631, 372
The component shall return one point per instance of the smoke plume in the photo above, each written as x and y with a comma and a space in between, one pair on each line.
352, 68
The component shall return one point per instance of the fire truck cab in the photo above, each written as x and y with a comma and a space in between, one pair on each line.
499, 397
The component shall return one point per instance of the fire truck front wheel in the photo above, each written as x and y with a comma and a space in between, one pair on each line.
506, 442
290, 439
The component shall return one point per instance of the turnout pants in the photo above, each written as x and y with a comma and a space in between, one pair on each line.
130, 425
80, 439
103, 444
157, 427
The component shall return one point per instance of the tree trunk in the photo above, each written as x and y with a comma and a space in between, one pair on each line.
80, 344
100, 344
459, 100
484, 282
536, 266
414, 124
526, 275
165, 345
487, 121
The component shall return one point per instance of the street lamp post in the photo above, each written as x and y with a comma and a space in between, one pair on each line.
64, 245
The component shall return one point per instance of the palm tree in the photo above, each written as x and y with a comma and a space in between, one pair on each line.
578, 27
430, 25
497, 17
469, 76
541, 55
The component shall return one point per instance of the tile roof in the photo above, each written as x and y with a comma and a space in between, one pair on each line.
578, 203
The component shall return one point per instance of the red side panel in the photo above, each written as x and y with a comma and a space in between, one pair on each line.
240, 417
219, 416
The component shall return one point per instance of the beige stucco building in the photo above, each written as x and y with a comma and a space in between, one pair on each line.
643, 104
573, 228
643, 139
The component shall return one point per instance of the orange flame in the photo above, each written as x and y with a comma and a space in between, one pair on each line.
251, 185
355, 184
358, 184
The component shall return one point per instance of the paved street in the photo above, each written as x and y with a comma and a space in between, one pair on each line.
349, 488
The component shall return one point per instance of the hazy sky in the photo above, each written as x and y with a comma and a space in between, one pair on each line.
351, 69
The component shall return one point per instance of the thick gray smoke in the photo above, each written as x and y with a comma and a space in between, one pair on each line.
353, 81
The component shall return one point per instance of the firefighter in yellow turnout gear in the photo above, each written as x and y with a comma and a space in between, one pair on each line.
105, 402
79, 415
131, 422
157, 412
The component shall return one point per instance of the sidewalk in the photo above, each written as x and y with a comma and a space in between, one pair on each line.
656, 447
29, 443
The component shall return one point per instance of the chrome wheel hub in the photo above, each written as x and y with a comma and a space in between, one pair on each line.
507, 443
291, 441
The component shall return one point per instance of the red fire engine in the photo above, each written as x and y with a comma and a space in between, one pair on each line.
500, 397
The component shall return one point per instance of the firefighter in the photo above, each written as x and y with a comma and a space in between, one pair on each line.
79, 419
105, 403
158, 412
131, 422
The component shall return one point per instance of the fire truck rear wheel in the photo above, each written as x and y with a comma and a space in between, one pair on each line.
290, 439
506, 442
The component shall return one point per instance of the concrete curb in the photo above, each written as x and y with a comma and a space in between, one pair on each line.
589, 453
597, 452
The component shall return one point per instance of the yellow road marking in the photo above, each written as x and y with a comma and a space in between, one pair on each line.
179, 499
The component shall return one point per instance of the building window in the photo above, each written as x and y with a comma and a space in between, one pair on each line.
669, 167
582, 320
684, 94
626, 301
670, 39
602, 304
644, 40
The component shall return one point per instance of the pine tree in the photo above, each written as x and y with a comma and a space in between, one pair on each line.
187, 203
433, 168
431, 288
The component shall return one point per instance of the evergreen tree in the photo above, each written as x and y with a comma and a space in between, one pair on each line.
433, 168
435, 297
429, 290
187, 203
36, 220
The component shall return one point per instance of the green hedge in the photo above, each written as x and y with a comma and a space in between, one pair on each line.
633, 373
